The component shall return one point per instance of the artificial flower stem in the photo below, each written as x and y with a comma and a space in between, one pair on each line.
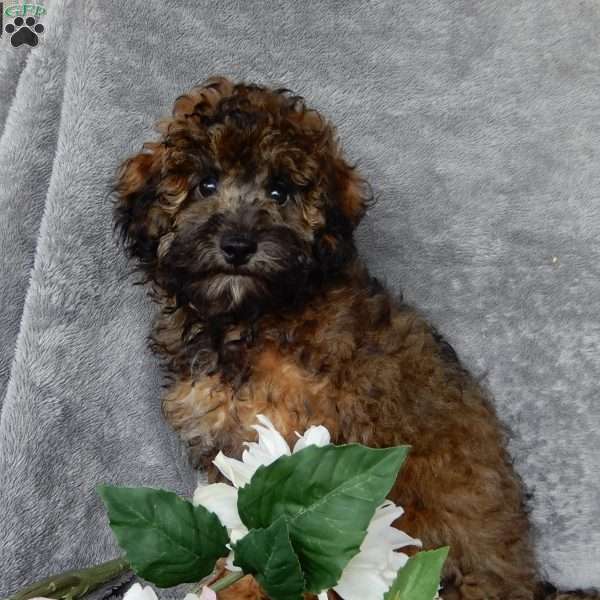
226, 581
74, 584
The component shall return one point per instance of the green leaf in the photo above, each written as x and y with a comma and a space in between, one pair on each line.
420, 577
328, 496
168, 541
269, 556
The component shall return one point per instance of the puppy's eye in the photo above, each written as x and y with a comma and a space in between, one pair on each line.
278, 192
208, 186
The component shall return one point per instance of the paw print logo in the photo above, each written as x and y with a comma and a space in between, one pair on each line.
24, 32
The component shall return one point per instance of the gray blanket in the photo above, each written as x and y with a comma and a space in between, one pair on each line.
478, 124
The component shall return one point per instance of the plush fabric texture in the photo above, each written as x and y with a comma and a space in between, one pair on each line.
478, 125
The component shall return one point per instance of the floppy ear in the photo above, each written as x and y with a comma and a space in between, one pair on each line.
349, 199
351, 192
138, 215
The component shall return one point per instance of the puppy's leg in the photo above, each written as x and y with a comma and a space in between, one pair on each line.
476, 510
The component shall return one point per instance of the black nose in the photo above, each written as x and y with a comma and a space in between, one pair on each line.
237, 248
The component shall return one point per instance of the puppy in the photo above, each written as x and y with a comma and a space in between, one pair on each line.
241, 219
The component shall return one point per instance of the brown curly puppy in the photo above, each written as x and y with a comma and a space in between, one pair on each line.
241, 218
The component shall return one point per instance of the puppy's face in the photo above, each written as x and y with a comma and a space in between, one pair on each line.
243, 204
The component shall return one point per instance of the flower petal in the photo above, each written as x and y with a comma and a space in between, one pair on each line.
397, 539
398, 561
361, 584
220, 499
235, 470
316, 435
237, 533
270, 446
137, 592
372, 571
229, 562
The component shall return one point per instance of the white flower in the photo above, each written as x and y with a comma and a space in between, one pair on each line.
137, 592
221, 498
369, 574
270, 446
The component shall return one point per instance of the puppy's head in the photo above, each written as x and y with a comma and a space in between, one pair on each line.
244, 203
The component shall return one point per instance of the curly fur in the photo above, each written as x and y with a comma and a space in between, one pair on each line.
302, 333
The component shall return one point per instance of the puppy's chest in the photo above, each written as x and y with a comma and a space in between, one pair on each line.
212, 413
